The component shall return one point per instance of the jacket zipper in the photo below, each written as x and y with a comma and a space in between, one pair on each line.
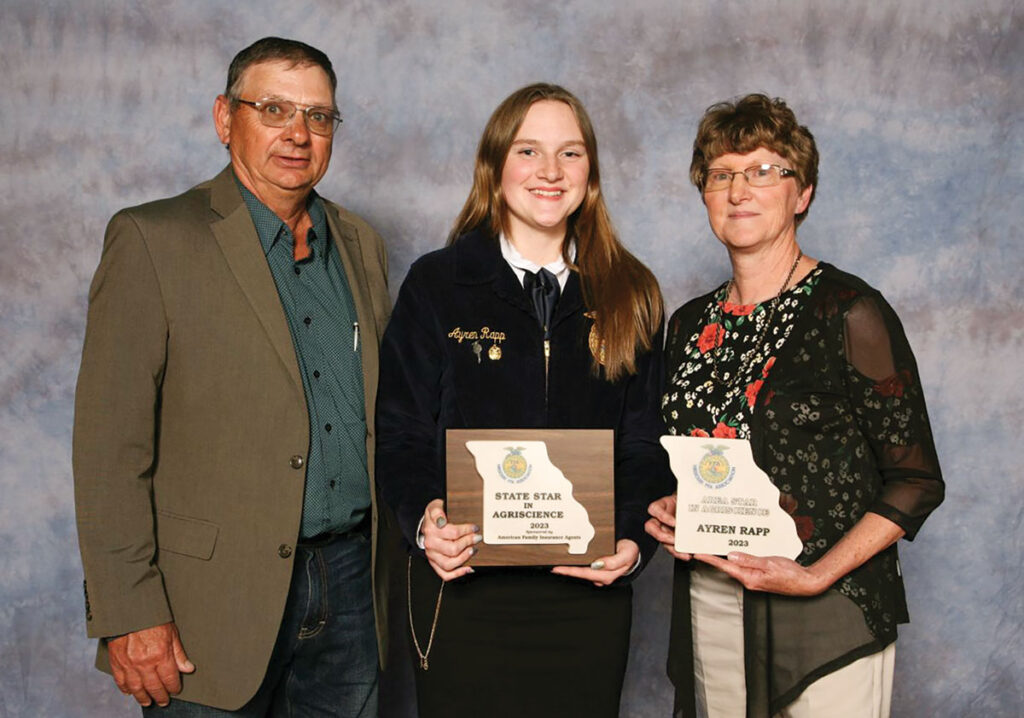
547, 361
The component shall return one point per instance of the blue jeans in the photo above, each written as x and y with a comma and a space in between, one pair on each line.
325, 660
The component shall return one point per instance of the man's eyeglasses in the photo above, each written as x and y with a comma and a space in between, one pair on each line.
765, 175
278, 113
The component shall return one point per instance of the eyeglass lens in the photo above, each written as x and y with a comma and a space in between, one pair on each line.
756, 176
278, 113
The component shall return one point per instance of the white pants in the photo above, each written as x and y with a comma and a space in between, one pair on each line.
862, 689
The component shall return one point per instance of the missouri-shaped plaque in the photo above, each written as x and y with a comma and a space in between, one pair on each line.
725, 502
541, 497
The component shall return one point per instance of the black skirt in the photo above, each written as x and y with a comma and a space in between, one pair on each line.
520, 642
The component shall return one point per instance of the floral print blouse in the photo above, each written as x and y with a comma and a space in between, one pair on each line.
829, 397
724, 365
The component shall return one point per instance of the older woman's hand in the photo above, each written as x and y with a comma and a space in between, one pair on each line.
776, 574
662, 525
448, 546
773, 574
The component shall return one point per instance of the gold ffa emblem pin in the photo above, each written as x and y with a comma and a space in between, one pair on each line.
594, 340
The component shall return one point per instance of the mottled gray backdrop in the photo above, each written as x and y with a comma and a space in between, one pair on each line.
916, 107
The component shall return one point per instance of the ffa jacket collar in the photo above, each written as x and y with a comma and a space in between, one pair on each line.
478, 260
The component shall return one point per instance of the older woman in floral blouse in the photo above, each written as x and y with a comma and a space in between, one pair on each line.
811, 365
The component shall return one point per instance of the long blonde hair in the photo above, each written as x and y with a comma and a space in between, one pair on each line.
621, 292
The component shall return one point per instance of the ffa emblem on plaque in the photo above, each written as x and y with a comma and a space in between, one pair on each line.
514, 468
713, 470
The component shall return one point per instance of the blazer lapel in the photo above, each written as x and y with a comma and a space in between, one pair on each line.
241, 246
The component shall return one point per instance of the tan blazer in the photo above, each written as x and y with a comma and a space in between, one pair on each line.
191, 432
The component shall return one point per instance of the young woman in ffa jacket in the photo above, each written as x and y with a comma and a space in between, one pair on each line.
533, 316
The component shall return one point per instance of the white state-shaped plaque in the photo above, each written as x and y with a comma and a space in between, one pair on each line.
725, 502
527, 499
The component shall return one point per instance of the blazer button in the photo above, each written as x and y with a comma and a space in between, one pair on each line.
284, 550
297, 462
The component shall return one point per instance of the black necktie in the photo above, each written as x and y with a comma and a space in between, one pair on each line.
542, 289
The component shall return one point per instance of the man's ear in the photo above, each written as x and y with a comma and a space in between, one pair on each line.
222, 118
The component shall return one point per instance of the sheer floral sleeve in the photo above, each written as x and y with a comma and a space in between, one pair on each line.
889, 407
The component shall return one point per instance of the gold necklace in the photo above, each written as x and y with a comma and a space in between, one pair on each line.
749, 354
433, 626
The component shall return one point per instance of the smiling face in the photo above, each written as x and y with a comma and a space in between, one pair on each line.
749, 218
280, 165
544, 178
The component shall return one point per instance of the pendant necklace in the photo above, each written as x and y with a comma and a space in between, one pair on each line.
748, 355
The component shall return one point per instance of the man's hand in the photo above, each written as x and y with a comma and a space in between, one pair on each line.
148, 664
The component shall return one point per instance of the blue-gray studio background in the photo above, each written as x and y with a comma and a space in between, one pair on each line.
916, 107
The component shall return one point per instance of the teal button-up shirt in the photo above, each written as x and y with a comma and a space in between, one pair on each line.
322, 317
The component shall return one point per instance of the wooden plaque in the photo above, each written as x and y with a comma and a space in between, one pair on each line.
586, 459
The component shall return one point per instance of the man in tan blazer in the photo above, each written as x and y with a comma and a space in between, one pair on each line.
223, 440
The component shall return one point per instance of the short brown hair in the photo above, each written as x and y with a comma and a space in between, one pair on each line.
753, 121
276, 49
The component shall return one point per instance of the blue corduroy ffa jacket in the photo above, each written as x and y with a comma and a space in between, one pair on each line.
438, 371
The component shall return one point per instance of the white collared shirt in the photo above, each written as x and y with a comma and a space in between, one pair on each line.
521, 265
